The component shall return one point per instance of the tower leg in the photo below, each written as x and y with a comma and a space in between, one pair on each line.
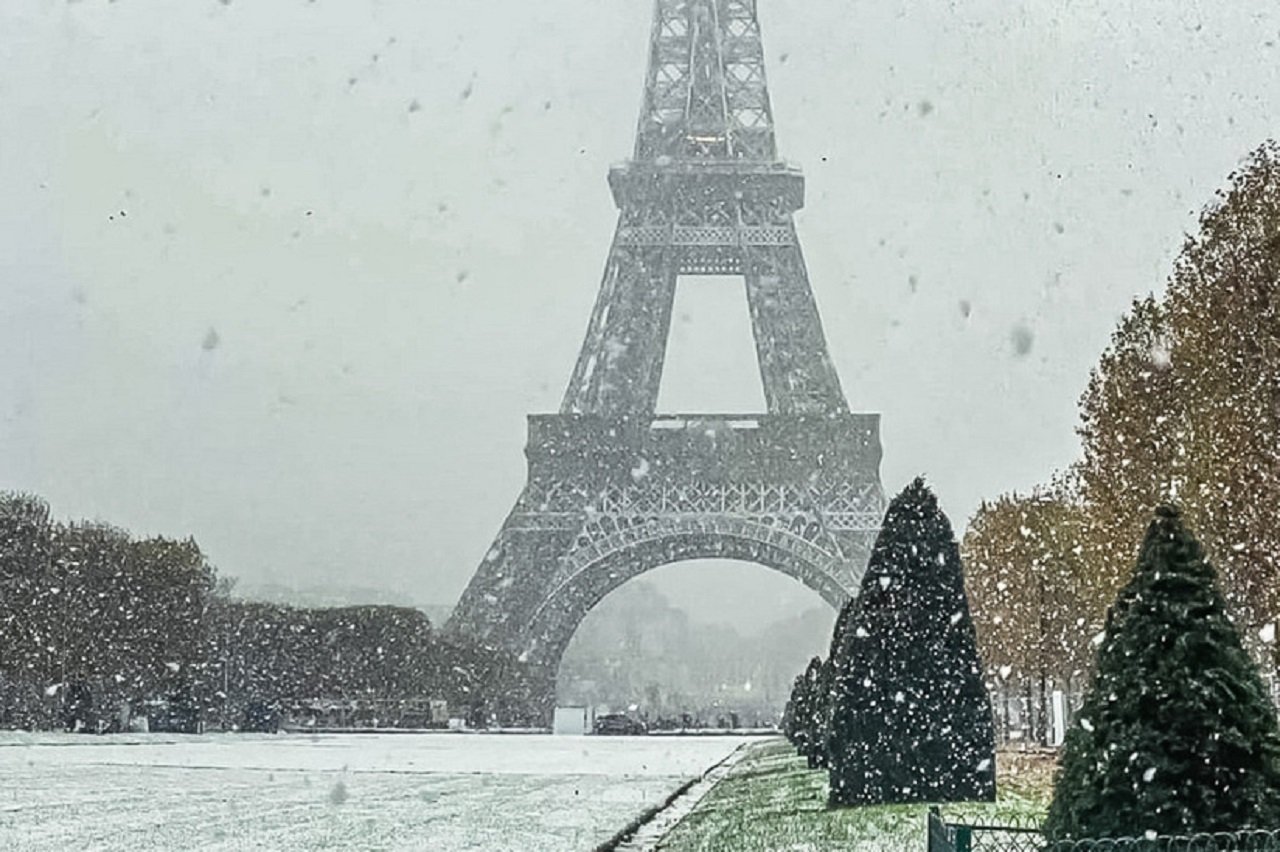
619, 368
511, 581
795, 368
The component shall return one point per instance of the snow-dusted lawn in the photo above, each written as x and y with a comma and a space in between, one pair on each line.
360, 791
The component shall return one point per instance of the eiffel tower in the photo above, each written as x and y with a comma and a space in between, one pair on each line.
615, 489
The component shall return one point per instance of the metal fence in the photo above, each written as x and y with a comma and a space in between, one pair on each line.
944, 836
964, 837
1235, 841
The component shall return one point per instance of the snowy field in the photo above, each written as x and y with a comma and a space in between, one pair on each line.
342, 791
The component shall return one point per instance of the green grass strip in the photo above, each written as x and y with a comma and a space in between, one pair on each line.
772, 802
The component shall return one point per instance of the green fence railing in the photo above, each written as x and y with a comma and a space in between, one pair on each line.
964, 837
945, 836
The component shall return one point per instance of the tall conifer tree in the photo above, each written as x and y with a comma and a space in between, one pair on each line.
911, 719
1177, 734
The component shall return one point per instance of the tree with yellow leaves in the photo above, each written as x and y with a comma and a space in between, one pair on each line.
1185, 405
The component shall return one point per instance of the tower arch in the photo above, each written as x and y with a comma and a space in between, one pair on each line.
670, 541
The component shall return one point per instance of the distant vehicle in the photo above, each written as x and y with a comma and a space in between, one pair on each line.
619, 723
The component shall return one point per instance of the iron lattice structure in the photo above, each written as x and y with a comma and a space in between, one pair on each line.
614, 489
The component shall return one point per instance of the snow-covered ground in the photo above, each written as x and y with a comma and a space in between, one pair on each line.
342, 791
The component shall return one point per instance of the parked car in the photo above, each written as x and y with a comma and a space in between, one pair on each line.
619, 723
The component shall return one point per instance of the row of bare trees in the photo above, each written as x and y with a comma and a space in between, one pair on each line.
1183, 407
96, 626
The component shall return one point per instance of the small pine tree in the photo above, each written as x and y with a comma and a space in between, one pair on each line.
817, 747
820, 717
1177, 734
790, 722
803, 700
911, 718
787, 724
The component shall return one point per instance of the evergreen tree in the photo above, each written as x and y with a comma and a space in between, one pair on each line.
820, 716
911, 719
803, 701
789, 721
1177, 734
817, 750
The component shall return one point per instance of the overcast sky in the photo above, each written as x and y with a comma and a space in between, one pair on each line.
288, 275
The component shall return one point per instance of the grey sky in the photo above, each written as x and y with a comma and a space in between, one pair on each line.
288, 276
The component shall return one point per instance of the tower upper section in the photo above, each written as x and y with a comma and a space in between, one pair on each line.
704, 194
705, 92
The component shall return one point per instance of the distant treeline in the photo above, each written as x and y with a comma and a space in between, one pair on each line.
97, 626
636, 648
